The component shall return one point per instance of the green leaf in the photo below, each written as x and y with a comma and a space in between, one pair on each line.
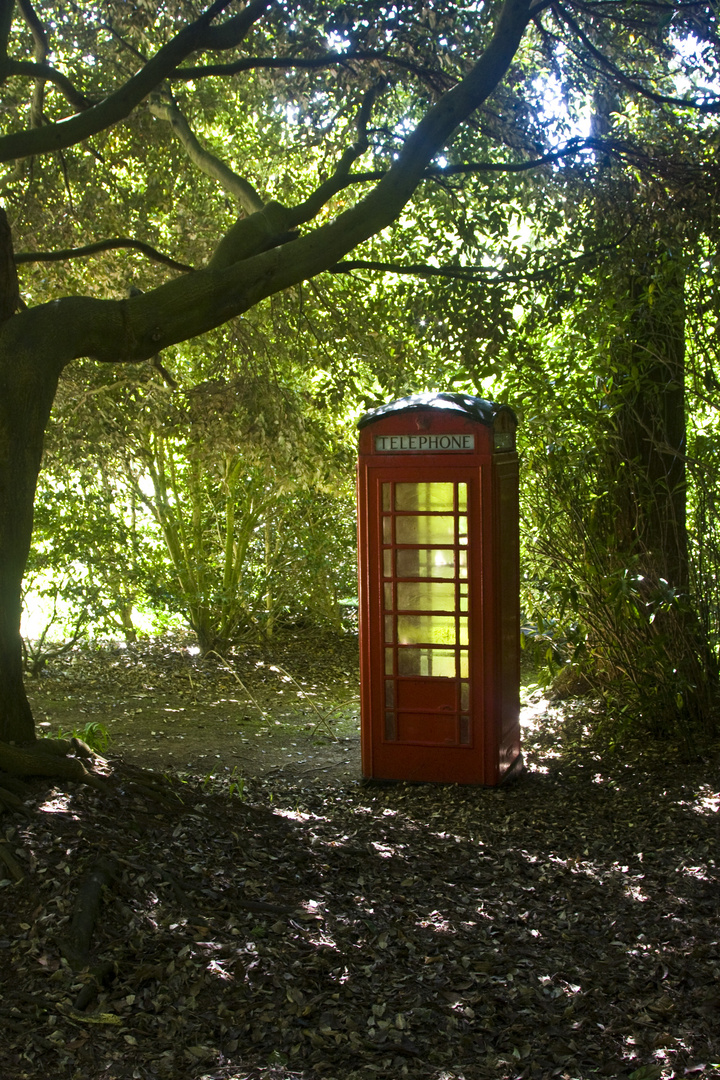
646, 1072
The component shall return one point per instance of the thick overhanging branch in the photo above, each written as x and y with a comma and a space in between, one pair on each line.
235, 185
119, 242
383, 204
197, 37
265, 229
239, 285
139, 327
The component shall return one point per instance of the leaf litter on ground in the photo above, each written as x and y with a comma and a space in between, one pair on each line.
563, 926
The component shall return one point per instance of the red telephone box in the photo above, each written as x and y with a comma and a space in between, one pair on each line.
438, 541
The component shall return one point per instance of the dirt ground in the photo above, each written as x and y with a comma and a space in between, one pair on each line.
287, 710
302, 926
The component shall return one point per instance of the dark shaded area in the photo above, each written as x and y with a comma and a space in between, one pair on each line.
566, 925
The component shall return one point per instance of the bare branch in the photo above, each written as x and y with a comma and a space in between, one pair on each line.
98, 247
572, 147
124, 43
36, 27
490, 274
460, 273
421, 270
50, 74
246, 195
41, 49
304, 63
196, 37
712, 106
437, 172
339, 180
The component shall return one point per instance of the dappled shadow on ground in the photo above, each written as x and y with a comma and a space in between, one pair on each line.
566, 925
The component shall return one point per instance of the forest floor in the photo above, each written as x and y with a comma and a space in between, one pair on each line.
292, 709
266, 915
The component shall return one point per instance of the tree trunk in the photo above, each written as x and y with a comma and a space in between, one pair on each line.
652, 524
651, 423
27, 388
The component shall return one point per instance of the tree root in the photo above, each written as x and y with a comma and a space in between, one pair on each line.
76, 946
14, 786
46, 757
11, 862
98, 977
9, 800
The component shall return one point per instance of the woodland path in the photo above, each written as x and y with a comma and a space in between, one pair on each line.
290, 709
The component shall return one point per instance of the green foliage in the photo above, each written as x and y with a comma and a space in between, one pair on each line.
236, 785
615, 563
93, 562
93, 734
632, 639
240, 477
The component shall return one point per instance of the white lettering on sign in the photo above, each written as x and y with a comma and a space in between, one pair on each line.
423, 443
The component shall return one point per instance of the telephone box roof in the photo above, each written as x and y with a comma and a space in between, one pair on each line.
476, 408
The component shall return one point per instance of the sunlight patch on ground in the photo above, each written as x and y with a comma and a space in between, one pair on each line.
537, 705
708, 801
58, 803
293, 815
700, 873
534, 709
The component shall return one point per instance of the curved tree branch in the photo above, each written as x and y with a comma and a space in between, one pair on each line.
139, 327
197, 37
246, 195
44, 72
712, 106
100, 246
